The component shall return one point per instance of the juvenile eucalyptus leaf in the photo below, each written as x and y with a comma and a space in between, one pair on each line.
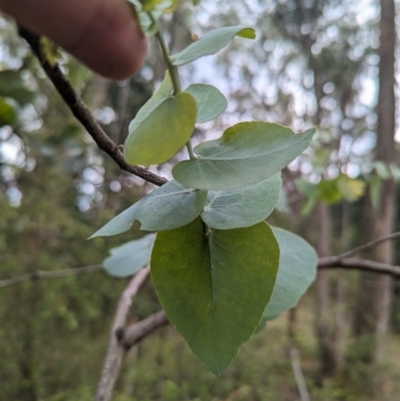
211, 43
242, 207
163, 92
297, 270
246, 154
214, 285
129, 258
156, 138
210, 101
168, 207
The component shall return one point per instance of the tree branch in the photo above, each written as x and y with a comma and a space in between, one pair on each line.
370, 245
137, 331
116, 351
359, 264
50, 274
83, 114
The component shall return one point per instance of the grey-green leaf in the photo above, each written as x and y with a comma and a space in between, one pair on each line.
214, 285
246, 154
242, 207
211, 43
128, 259
210, 101
168, 207
297, 270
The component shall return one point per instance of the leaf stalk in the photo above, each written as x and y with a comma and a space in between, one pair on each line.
173, 70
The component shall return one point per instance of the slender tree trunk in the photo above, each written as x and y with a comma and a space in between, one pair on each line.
340, 301
372, 315
326, 345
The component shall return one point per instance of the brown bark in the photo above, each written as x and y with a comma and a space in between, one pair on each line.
372, 316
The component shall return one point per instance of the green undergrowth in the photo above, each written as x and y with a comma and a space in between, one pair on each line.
163, 368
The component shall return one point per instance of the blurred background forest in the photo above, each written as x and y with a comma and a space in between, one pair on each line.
315, 62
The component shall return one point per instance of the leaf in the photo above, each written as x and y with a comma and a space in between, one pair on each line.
164, 5
7, 113
160, 134
328, 192
158, 97
128, 259
297, 270
210, 101
214, 287
351, 189
211, 43
168, 207
242, 207
382, 169
246, 154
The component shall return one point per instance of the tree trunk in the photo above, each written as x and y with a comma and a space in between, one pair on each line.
372, 315
326, 344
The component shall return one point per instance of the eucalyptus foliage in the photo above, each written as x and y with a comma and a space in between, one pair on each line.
218, 268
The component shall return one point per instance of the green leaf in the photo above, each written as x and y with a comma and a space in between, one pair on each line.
211, 43
328, 192
242, 207
168, 207
163, 92
382, 169
7, 113
161, 134
215, 285
210, 101
297, 270
351, 189
128, 259
155, 5
246, 154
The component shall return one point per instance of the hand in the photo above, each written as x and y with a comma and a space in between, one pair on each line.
101, 33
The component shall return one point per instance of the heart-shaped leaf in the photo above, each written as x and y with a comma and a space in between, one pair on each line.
246, 154
210, 101
242, 207
211, 43
128, 259
168, 207
163, 132
297, 270
215, 284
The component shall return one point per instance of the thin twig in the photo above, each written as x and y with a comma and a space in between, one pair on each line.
50, 274
298, 374
369, 245
116, 351
83, 114
323, 263
359, 264
173, 70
